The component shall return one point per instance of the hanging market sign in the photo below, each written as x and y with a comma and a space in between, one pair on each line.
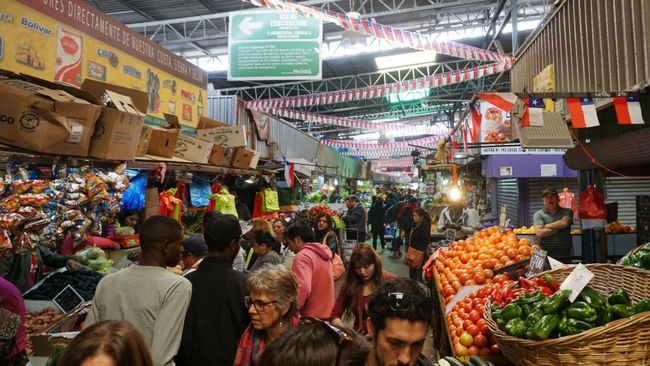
274, 45
380, 91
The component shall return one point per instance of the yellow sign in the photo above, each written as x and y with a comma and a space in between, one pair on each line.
544, 82
59, 40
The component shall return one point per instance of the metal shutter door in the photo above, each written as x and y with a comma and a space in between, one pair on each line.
537, 186
624, 191
508, 193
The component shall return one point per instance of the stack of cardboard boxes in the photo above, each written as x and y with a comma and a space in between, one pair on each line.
107, 122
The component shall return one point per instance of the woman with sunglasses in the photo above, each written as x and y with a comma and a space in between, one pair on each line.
317, 343
363, 276
324, 232
273, 306
420, 237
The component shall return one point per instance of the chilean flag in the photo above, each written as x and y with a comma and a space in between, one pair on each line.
289, 172
534, 113
628, 111
582, 112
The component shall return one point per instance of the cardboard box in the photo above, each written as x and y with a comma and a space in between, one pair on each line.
163, 140
220, 133
117, 131
245, 158
46, 117
145, 140
193, 149
218, 156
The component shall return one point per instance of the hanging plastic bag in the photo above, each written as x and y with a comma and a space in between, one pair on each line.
258, 209
134, 196
225, 203
568, 200
270, 202
200, 191
592, 204
170, 206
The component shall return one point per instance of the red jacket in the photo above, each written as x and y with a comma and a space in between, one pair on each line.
313, 268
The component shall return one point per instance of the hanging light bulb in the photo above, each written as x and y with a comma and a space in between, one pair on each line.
454, 193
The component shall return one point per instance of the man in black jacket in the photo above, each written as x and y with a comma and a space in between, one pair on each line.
355, 218
216, 317
376, 221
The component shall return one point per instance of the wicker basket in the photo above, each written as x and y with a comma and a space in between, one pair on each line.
622, 342
632, 252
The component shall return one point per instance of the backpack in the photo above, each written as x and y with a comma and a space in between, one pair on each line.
406, 221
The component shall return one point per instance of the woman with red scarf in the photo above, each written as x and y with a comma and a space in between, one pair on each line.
273, 306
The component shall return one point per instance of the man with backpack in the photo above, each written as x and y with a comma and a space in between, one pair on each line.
405, 222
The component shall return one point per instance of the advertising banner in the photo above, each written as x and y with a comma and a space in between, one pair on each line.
68, 41
495, 124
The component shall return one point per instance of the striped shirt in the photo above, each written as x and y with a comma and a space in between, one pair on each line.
559, 244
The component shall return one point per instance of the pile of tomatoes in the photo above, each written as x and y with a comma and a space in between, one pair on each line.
470, 334
472, 261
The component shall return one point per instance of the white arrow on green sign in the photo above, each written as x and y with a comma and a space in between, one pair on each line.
274, 45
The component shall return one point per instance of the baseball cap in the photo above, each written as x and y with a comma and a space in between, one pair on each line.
549, 191
195, 245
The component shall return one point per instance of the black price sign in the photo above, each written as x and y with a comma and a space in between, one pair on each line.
537, 262
450, 234
68, 299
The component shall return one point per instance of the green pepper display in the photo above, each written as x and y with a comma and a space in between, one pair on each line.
582, 311
622, 310
557, 302
516, 328
605, 315
619, 296
531, 298
511, 311
546, 326
533, 317
593, 298
569, 326
643, 305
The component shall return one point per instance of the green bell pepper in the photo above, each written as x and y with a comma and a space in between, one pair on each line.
582, 311
562, 326
546, 326
623, 311
593, 298
500, 323
495, 311
516, 328
643, 305
644, 261
570, 326
525, 310
511, 311
529, 333
557, 302
605, 315
619, 296
531, 298
533, 317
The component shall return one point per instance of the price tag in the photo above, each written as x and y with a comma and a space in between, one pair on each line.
68, 299
555, 263
450, 234
537, 262
502, 217
577, 280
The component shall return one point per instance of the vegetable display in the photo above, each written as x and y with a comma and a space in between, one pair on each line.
94, 258
640, 259
84, 282
36, 321
473, 261
556, 316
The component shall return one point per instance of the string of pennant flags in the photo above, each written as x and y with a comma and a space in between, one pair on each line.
380, 91
398, 36
432, 140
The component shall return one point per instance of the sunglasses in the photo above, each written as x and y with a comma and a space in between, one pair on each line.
338, 335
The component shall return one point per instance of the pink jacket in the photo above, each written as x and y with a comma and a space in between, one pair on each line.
313, 270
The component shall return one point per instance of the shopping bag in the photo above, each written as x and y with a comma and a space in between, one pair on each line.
270, 202
568, 200
200, 192
338, 268
225, 203
413, 258
591, 204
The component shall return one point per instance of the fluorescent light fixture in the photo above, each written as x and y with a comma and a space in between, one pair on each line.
405, 59
384, 120
460, 156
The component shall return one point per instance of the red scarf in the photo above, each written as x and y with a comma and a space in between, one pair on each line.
252, 344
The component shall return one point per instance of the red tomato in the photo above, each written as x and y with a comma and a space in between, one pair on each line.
459, 331
464, 316
495, 349
485, 330
467, 323
473, 350
466, 339
467, 306
461, 350
500, 278
458, 322
474, 316
480, 341
474, 330
481, 323
479, 278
